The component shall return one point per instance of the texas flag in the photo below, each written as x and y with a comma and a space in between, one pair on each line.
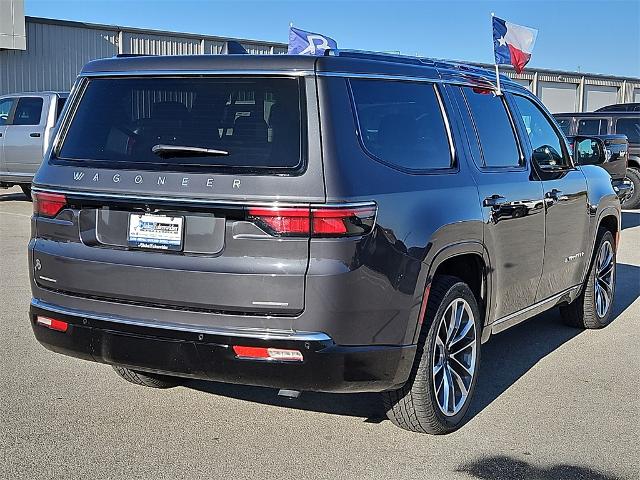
512, 44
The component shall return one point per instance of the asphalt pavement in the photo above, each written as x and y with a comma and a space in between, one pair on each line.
552, 403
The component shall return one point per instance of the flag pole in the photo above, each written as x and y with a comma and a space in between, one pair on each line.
499, 92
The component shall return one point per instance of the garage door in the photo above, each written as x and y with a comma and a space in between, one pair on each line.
559, 97
596, 96
525, 83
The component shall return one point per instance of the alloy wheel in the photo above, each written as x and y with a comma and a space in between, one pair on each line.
454, 358
605, 277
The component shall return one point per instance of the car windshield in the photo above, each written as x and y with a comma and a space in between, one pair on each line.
120, 121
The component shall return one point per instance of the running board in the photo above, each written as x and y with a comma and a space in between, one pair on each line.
566, 296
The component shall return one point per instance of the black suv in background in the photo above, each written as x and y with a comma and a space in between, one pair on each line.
625, 121
620, 107
348, 223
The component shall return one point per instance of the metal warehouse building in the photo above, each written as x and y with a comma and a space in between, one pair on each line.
42, 54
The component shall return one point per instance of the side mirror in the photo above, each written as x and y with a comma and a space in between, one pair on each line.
589, 151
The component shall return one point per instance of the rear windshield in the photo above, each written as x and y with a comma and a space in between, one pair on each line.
251, 123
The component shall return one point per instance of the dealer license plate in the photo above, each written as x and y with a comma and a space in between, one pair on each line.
160, 232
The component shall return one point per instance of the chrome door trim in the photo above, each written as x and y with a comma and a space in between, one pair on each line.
255, 333
534, 309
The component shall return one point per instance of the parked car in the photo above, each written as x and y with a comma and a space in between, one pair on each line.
611, 122
620, 107
26, 124
609, 152
347, 223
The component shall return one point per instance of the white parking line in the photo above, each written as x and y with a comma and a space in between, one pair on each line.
16, 214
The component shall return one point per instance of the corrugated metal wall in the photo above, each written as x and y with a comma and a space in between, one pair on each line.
134, 42
57, 50
54, 56
565, 92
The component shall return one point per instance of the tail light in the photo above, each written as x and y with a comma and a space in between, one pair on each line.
315, 222
48, 204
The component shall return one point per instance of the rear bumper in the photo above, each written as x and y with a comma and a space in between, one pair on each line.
208, 354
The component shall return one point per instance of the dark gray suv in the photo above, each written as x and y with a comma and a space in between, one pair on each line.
348, 223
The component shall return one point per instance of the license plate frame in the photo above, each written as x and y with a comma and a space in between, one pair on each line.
152, 231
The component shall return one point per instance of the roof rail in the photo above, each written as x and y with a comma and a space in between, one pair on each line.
383, 56
414, 60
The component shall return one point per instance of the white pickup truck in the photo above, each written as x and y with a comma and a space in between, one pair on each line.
27, 121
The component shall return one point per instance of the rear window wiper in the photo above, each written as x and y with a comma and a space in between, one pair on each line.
168, 151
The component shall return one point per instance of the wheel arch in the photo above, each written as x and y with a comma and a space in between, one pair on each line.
609, 218
468, 261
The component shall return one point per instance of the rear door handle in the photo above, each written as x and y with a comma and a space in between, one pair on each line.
557, 195
34, 134
494, 200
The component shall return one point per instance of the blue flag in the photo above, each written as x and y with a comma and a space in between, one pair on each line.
309, 43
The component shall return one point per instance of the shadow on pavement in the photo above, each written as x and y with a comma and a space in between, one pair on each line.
630, 219
505, 358
8, 197
507, 468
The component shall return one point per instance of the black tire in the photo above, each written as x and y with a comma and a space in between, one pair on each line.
26, 189
582, 312
153, 380
414, 406
633, 201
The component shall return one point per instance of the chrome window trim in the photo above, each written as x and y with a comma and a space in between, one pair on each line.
257, 333
445, 117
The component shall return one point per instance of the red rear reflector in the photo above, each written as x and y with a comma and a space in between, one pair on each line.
425, 300
268, 353
48, 204
52, 323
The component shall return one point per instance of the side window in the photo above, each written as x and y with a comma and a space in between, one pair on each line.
604, 126
565, 125
593, 126
494, 128
401, 123
545, 141
5, 109
28, 111
629, 127
589, 126
60, 106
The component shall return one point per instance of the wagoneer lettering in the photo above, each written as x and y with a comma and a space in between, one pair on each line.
375, 218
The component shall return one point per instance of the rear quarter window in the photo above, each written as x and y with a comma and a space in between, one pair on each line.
494, 128
629, 127
119, 121
401, 124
